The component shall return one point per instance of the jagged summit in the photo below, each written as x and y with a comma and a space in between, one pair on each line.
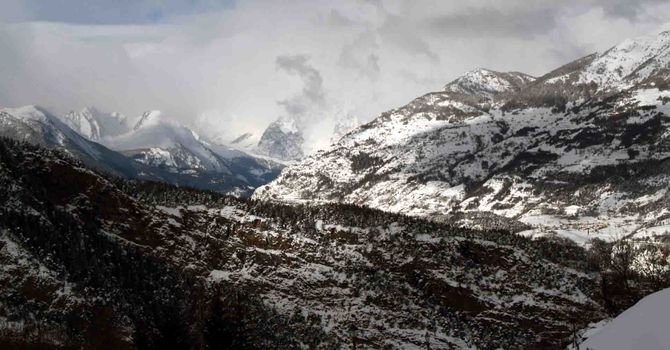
487, 83
96, 125
282, 140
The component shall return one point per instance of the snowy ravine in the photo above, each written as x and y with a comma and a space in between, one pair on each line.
581, 151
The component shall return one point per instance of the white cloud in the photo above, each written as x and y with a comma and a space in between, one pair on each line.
219, 70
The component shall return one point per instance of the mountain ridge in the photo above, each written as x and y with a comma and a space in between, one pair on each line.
523, 153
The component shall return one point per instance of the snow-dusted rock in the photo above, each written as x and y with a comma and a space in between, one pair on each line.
283, 139
148, 118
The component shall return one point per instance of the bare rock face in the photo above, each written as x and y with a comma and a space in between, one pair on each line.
580, 152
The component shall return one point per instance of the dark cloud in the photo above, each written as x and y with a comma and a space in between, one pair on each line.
401, 32
106, 11
475, 22
630, 9
528, 19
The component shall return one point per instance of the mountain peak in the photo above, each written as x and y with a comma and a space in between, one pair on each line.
629, 62
33, 112
486, 83
282, 139
95, 124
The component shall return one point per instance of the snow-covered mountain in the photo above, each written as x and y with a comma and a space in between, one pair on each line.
160, 142
36, 125
581, 151
96, 125
167, 144
641, 60
90, 260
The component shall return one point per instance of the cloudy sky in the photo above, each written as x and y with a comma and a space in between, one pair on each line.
228, 67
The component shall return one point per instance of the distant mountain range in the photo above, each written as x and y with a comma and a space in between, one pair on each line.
153, 149
582, 151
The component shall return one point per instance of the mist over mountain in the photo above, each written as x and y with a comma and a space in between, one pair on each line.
226, 69
334, 175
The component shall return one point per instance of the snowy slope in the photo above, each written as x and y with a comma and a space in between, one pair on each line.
550, 154
630, 62
182, 146
642, 327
